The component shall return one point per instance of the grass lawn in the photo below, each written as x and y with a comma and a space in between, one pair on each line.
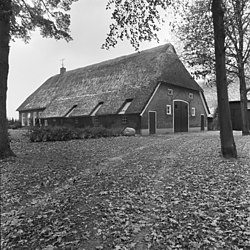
151, 192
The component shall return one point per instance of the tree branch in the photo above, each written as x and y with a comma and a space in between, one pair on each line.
47, 9
247, 52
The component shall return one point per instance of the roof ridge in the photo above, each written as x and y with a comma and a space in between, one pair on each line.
169, 49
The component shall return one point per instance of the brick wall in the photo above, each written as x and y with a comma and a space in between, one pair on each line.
164, 97
108, 121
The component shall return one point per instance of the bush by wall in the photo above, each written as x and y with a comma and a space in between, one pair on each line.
38, 134
14, 124
98, 132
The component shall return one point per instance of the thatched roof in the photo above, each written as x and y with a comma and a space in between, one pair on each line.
111, 82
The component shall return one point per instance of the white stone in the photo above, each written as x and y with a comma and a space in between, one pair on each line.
129, 131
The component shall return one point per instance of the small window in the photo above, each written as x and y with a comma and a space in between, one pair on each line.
97, 107
191, 96
170, 92
23, 119
96, 121
124, 120
29, 119
125, 106
76, 121
168, 110
54, 120
70, 111
46, 123
193, 112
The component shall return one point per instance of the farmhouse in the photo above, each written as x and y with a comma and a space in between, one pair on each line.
150, 91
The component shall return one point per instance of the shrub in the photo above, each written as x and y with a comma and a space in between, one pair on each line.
38, 134
98, 132
14, 124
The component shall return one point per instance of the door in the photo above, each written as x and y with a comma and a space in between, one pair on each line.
152, 122
180, 116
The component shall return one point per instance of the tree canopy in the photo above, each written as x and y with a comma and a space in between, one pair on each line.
50, 16
194, 28
136, 21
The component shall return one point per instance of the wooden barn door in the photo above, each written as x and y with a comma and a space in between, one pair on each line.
180, 116
152, 122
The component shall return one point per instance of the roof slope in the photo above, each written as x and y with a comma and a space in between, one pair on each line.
112, 82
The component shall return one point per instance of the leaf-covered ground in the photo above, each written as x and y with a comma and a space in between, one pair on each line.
157, 192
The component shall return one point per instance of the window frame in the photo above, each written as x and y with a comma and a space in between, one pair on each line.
169, 109
124, 120
191, 96
170, 92
193, 111
96, 121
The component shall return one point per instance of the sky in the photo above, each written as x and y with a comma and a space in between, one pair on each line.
33, 63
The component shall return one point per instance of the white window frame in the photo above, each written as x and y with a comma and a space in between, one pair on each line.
125, 107
23, 119
191, 96
168, 109
96, 109
193, 111
29, 119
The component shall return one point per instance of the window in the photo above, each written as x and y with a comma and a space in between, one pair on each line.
23, 119
193, 111
168, 110
34, 118
125, 106
124, 120
46, 123
70, 111
76, 121
29, 120
97, 107
170, 92
191, 96
96, 122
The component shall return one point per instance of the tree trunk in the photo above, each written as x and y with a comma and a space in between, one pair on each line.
5, 13
228, 147
243, 101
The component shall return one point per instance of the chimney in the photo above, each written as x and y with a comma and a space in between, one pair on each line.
62, 70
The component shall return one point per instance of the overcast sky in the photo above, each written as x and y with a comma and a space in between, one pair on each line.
31, 64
